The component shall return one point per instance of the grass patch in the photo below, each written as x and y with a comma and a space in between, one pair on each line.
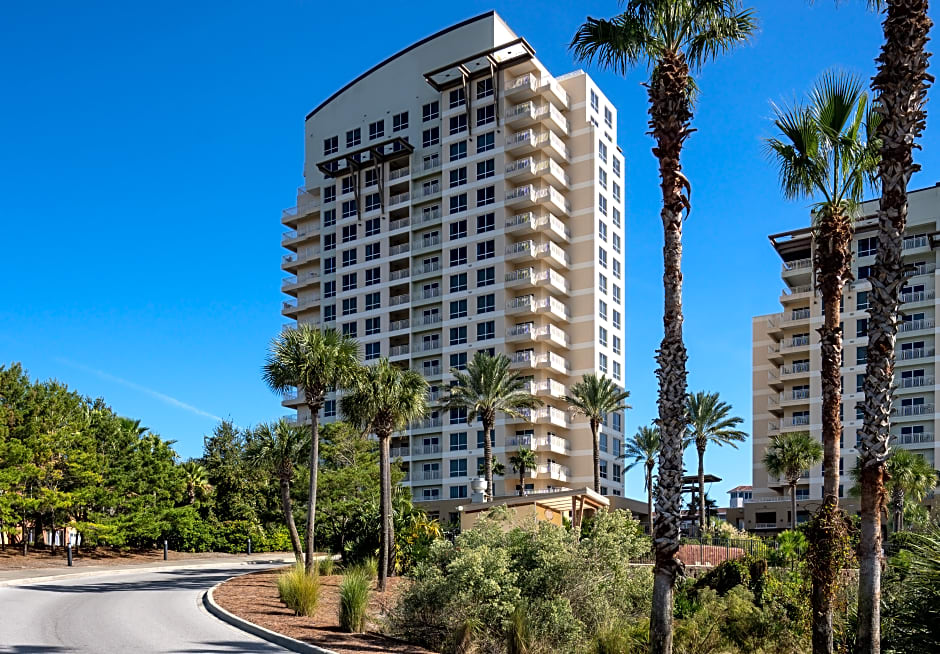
325, 566
354, 600
299, 591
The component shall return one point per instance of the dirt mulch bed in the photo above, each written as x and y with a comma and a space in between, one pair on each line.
12, 557
254, 597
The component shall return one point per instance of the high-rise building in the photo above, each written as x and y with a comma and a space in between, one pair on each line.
459, 198
786, 362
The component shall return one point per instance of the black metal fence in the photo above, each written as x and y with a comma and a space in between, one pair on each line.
712, 551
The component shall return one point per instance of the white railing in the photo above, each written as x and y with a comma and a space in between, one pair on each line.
916, 242
399, 299
429, 346
799, 421
397, 350
399, 198
916, 296
913, 410
916, 382
799, 395
798, 264
398, 174
549, 386
917, 353
426, 268
399, 249
395, 325
429, 371
798, 314
916, 325
912, 439
427, 423
429, 293
429, 242
425, 449
430, 216
795, 369
404, 273
398, 224
554, 470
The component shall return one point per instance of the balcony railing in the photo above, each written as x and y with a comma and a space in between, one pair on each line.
916, 325
425, 449
426, 268
916, 438
399, 223
397, 350
913, 410
916, 353
398, 198
795, 369
399, 299
916, 296
395, 325
916, 382
399, 249
427, 423
912, 242
404, 273
798, 314
799, 421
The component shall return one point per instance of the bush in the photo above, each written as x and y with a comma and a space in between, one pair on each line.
299, 591
325, 566
725, 576
369, 567
353, 600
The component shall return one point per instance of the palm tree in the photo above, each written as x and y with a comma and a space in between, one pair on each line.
594, 397
910, 476
901, 92
314, 363
488, 386
498, 468
279, 448
521, 462
827, 150
709, 422
673, 38
197, 481
788, 456
644, 448
385, 399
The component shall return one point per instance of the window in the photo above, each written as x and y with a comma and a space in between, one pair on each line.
616, 345
329, 408
616, 192
458, 441
602, 282
616, 319
376, 129
861, 355
348, 184
861, 327
430, 137
484, 88
329, 313
608, 117
595, 101
602, 309
459, 361
602, 336
329, 217
458, 151
861, 300
458, 467
486, 142
486, 330
458, 176
349, 329
864, 272
486, 303
353, 137
458, 203
458, 256
486, 277
349, 257
616, 268
349, 282
616, 217
602, 203
458, 229
373, 325
602, 177
400, 121
602, 256
329, 242
349, 208
486, 169
486, 250
329, 289
373, 276
867, 246
329, 193
616, 240
602, 230
329, 265
458, 282
615, 162
486, 115
616, 294
330, 145
486, 223
602, 363
602, 151
373, 203
458, 335
457, 98
458, 124
349, 233
373, 251
457, 417
486, 195
431, 111
456, 492
372, 177
373, 351
458, 309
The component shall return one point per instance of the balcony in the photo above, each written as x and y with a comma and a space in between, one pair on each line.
295, 236
427, 321
431, 216
396, 452
915, 353
426, 269
797, 315
533, 333
530, 113
799, 292
530, 195
398, 325
529, 86
546, 415
531, 360
913, 410
400, 223
426, 295
398, 199
795, 369
913, 439
913, 242
916, 296
547, 388
295, 282
424, 476
402, 248
398, 174
799, 266
533, 222
916, 325
799, 421
394, 275
396, 300
533, 277
529, 304
553, 471
916, 382
293, 307
428, 191
428, 243
430, 371
431, 346
533, 250
530, 140
305, 255
307, 203
795, 343
427, 423
549, 443
398, 350
424, 450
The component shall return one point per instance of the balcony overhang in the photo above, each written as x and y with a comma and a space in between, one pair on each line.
366, 157
481, 64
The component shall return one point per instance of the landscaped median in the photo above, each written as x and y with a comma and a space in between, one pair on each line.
252, 600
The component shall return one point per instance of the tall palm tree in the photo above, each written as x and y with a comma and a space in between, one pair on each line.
522, 461
910, 476
314, 363
673, 38
788, 456
594, 397
644, 448
486, 387
383, 400
197, 481
709, 422
901, 92
280, 448
827, 150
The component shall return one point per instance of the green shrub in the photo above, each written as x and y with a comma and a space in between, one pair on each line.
369, 567
354, 600
299, 591
325, 566
725, 576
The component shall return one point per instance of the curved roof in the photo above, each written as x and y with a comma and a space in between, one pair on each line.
488, 14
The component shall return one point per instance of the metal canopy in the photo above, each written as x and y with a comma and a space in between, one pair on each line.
480, 64
366, 157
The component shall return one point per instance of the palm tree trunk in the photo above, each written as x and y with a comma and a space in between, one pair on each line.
701, 489
314, 469
793, 505
898, 510
385, 510
521, 481
832, 263
595, 427
901, 84
670, 115
488, 458
289, 519
649, 496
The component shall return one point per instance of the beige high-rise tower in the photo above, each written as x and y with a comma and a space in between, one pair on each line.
459, 198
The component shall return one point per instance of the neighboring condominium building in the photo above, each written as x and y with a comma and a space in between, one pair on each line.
458, 198
786, 374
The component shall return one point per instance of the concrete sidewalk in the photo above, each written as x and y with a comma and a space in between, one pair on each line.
19, 576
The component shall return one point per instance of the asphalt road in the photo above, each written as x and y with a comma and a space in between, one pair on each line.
136, 612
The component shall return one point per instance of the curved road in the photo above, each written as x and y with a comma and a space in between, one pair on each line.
121, 613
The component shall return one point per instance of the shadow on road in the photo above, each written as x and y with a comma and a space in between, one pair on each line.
230, 647
33, 649
169, 580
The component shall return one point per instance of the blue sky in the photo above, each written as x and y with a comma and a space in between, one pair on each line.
145, 156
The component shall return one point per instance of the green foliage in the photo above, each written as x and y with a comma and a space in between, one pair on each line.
911, 595
325, 566
792, 545
299, 591
571, 587
725, 576
354, 600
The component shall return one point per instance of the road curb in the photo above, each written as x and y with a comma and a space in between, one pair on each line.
28, 581
294, 645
